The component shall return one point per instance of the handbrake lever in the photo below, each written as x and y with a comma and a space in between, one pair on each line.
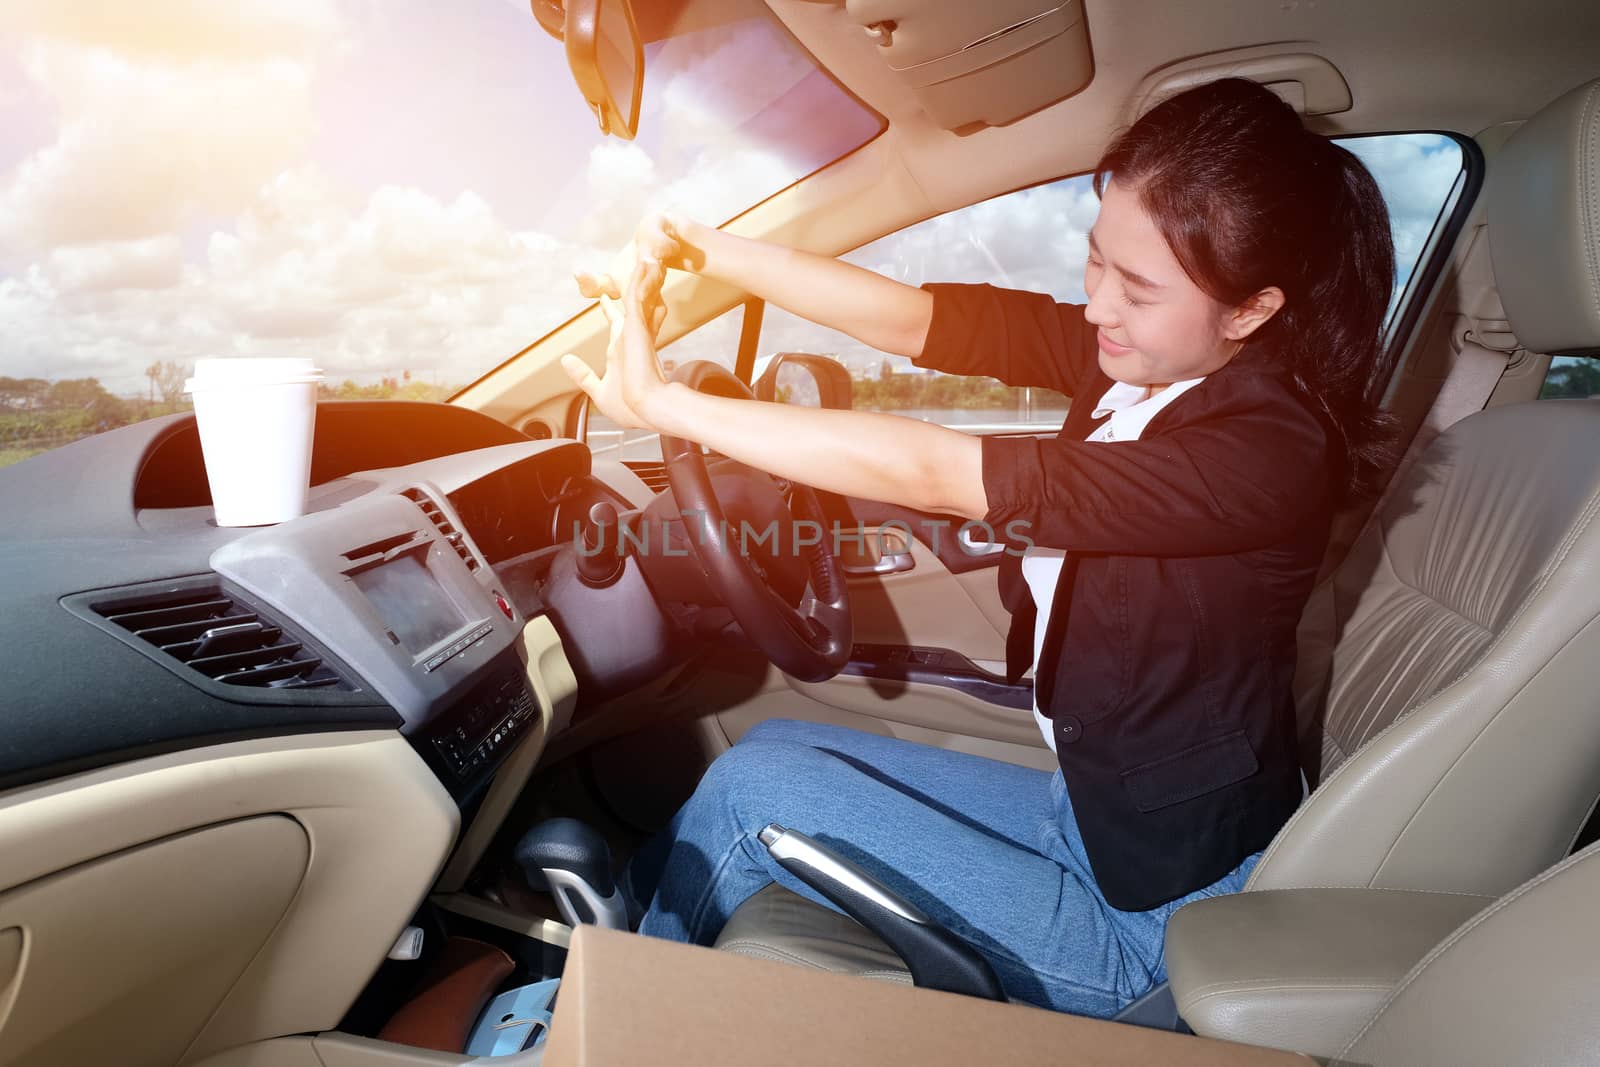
937, 958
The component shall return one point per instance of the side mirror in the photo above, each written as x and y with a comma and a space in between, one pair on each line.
605, 54
802, 372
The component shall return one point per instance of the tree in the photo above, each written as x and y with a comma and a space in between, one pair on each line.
885, 370
1580, 377
80, 393
166, 378
22, 392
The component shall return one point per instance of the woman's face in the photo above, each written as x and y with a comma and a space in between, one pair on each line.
1156, 326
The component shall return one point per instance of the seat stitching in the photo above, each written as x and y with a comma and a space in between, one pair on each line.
1466, 928
1591, 202
1212, 990
889, 975
752, 946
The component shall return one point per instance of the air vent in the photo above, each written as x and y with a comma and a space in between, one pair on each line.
652, 474
223, 638
436, 515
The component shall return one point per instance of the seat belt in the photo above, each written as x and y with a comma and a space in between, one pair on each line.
1474, 374
1466, 390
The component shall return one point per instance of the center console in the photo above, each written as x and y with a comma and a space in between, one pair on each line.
390, 586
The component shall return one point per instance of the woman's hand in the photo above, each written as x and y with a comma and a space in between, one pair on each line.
632, 382
668, 238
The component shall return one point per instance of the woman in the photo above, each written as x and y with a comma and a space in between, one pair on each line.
1224, 375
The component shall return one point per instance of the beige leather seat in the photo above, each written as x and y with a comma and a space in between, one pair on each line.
1449, 715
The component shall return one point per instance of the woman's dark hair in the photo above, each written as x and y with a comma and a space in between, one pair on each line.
1247, 198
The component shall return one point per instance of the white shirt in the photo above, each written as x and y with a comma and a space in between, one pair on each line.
1131, 409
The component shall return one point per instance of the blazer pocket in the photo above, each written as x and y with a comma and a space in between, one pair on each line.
1195, 771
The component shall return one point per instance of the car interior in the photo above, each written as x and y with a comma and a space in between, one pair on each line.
353, 788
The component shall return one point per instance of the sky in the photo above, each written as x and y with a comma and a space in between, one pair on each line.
384, 185
390, 185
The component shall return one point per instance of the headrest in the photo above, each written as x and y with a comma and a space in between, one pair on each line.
1544, 225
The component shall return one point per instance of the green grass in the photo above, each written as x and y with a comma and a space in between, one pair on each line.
8, 456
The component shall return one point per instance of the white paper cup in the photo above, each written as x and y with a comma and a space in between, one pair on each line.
256, 419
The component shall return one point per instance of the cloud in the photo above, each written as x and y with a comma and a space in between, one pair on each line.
155, 263
619, 182
699, 163
167, 112
703, 192
1411, 169
407, 282
1414, 173
714, 81
397, 281
181, 29
111, 335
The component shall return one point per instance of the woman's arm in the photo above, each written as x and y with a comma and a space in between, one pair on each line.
877, 311
857, 453
867, 454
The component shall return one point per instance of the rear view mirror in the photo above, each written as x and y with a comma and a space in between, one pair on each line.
795, 377
605, 54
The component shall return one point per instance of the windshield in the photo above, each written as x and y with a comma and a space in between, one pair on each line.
399, 190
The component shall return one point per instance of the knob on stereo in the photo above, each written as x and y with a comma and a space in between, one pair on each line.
600, 547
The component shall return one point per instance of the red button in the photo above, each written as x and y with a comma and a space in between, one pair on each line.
505, 606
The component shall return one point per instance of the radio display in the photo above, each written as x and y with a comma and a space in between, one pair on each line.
410, 601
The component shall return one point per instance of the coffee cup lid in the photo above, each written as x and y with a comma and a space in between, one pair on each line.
252, 370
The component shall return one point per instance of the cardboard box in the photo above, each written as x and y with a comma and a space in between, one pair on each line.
627, 999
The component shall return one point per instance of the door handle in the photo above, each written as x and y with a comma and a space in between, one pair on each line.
897, 563
978, 548
893, 555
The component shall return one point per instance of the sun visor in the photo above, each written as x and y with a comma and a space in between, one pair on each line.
986, 63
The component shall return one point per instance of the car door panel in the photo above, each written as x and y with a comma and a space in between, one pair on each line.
956, 543
955, 618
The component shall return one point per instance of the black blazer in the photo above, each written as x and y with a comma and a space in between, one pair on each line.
1169, 651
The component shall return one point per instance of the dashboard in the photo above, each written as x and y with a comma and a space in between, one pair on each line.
433, 535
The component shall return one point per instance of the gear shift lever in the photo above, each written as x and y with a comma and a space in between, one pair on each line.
572, 861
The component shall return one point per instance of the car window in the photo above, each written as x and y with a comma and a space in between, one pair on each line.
401, 190
1036, 239
1571, 376
717, 341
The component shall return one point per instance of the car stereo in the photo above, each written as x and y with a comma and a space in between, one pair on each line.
409, 607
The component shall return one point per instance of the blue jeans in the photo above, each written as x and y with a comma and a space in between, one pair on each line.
989, 849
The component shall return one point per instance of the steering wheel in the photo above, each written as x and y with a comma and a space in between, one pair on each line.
759, 572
